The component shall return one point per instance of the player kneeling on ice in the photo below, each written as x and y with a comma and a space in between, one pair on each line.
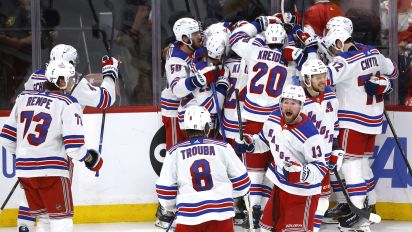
299, 164
41, 124
200, 177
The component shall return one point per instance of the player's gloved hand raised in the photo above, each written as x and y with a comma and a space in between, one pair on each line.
109, 67
336, 159
305, 39
93, 160
264, 21
377, 85
247, 144
294, 172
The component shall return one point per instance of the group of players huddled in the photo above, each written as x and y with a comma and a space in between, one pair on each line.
309, 104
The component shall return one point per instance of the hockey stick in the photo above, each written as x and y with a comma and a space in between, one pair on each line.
239, 120
219, 116
360, 212
109, 52
10, 194
405, 158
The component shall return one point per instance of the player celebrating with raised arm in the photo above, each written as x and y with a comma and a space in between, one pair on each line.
87, 95
299, 164
45, 129
200, 177
361, 78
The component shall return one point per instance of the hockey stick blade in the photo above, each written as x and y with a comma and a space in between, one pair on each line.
360, 212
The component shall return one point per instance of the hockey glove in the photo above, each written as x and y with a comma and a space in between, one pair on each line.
293, 54
223, 82
336, 159
94, 160
109, 67
377, 85
264, 22
305, 39
245, 145
205, 76
294, 172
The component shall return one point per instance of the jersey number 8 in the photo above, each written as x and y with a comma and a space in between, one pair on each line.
201, 175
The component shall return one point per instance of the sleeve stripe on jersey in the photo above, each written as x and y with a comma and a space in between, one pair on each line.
263, 138
257, 109
204, 207
169, 104
260, 190
73, 141
363, 119
321, 166
258, 42
9, 132
232, 126
50, 162
236, 37
166, 192
241, 182
105, 99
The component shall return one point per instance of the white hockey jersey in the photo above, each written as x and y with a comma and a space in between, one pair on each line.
323, 112
230, 118
87, 95
42, 130
349, 71
300, 143
200, 177
176, 68
267, 72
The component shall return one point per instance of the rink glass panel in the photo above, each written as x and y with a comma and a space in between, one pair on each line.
142, 30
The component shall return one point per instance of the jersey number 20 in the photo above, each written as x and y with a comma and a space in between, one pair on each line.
43, 123
276, 80
201, 175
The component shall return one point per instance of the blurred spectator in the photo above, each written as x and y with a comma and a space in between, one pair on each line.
135, 42
15, 48
405, 49
319, 14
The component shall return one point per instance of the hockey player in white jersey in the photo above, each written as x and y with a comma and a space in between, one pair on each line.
207, 72
267, 73
361, 78
87, 95
45, 129
99, 97
299, 164
200, 177
321, 107
178, 59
